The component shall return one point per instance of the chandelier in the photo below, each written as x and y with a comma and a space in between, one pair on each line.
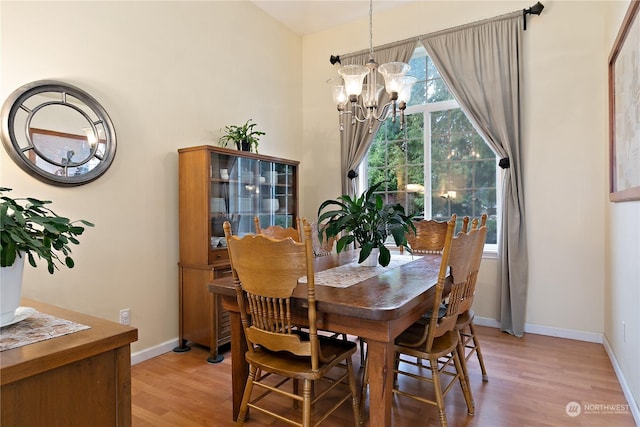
360, 83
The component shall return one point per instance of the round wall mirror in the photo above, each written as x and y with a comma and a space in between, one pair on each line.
58, 133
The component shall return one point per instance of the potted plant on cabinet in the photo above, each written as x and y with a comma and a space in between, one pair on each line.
245, 138
367, 221
29, 228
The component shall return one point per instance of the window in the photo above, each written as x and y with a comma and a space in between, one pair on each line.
438, 164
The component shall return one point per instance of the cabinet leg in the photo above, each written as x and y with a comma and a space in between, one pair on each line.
215, 357
214, 313
182, 347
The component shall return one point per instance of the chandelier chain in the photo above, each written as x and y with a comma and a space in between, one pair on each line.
371, 28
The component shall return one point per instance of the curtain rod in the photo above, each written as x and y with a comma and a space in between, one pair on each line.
536, 9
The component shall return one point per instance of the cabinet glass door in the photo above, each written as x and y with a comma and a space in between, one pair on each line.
243, 188
277, 206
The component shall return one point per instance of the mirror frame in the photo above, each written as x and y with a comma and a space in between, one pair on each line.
20, 155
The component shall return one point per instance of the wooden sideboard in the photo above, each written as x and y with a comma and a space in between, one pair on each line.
80, 379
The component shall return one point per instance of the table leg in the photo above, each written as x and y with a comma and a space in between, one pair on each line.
380, 359
239, 366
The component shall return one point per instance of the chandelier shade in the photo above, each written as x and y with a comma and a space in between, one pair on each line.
338, 91
393, 73
404, 95
353, 76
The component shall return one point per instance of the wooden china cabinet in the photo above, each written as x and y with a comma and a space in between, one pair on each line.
217, 185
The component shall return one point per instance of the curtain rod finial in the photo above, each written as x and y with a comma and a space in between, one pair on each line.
536, 9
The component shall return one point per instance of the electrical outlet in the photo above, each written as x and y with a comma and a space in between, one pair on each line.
125, 316
624, 331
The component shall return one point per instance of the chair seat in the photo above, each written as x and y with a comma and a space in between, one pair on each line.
442, 310
289, 365
442, 345
465, 319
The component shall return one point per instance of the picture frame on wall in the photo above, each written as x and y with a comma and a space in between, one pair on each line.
624, 109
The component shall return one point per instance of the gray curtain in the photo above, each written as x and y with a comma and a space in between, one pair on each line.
481, 64
355, 140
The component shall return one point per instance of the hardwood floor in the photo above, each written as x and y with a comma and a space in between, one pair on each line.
531, 382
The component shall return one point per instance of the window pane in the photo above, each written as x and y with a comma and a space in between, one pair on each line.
439, 176
437, 91
440, 123
415, 152
393, 131
416, 205
415, 126
485, 174
432, 72
377, 153
375, 176
418, 67
418, 93
415, 175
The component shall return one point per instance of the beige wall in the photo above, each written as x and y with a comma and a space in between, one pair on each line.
583, 251
170, 75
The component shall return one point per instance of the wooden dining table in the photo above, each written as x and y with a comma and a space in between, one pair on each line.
377, 309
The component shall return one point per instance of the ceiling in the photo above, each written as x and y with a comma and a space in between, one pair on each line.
310, 16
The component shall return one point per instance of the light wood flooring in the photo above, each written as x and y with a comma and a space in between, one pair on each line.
531, 382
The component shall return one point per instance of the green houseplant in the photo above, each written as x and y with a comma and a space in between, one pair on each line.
29, 227
367, 221
243, 136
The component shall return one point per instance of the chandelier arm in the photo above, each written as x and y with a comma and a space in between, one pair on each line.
360, 113
385, 112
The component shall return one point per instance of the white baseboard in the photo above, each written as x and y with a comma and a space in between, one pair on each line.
485, 321
546, 330
149, 353
564, 333
633, 406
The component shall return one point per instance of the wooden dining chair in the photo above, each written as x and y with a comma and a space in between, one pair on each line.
429, 237
434, 344
468, 343
278, 231
266, 273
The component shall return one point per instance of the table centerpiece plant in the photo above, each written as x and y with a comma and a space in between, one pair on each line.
367, 221
243, 136
30, 228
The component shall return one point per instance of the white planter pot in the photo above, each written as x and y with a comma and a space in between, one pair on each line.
10, 290
372, 259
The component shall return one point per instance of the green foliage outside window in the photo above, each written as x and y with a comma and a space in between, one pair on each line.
462, 167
